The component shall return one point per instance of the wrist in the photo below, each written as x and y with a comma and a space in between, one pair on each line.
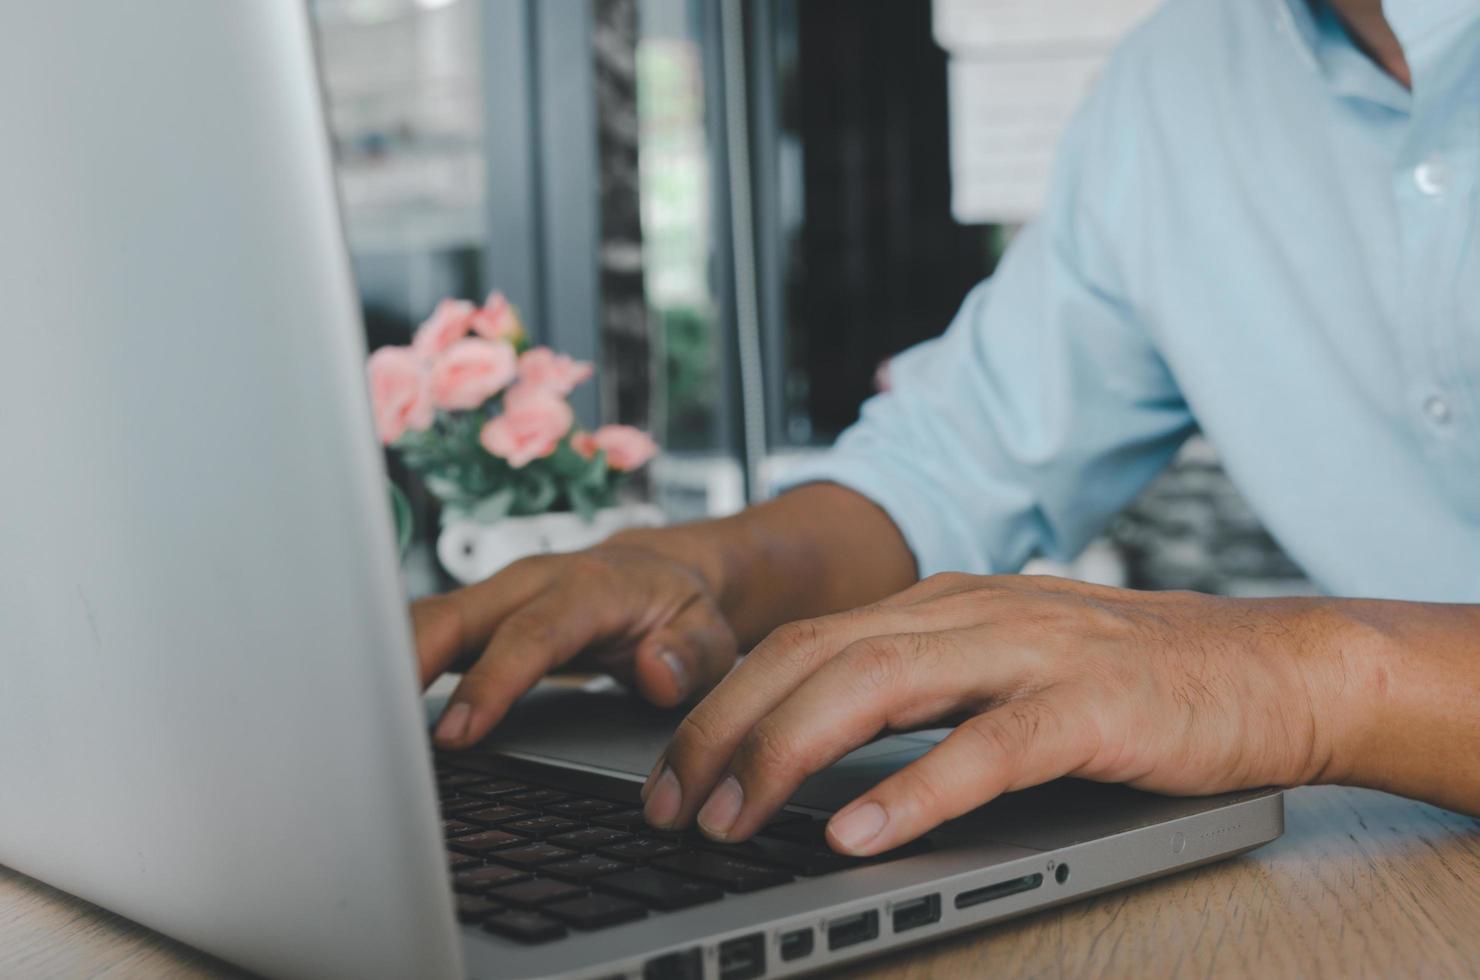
1347, 687
694, 546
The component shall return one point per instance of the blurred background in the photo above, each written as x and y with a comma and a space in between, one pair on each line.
738, 209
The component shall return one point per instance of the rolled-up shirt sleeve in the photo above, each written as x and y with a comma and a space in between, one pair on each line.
1043, 409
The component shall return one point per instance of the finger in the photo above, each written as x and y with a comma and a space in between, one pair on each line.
710, 734
712, 730
876, 684
450, 627
1024, 742
688, 655
533, 640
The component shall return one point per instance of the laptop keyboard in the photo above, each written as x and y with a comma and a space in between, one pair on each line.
531, 862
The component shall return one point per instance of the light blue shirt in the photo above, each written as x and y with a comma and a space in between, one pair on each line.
1251, 231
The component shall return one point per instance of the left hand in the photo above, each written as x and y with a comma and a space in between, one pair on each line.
1174, 692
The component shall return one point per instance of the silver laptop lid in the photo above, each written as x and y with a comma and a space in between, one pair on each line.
208, 712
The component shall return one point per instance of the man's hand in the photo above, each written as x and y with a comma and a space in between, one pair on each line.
620, 608
1174, 692
661, 610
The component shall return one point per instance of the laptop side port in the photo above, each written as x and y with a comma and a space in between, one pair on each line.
852, 930
686, 964
1002, 889
795, 944
916, 912
743, 958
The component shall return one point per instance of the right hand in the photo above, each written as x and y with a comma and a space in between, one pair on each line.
648, 619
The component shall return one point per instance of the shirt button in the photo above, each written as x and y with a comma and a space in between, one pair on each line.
1431, 176
1437, 409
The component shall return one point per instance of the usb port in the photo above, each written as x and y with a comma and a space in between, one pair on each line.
795, 945
1000, 890
917, 912
852, 930
743, 958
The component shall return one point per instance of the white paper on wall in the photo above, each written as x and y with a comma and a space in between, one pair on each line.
1018, 69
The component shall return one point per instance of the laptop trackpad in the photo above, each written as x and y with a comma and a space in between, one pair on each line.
605, 728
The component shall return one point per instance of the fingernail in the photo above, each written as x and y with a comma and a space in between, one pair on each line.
856, 827
664, 801
677, 669
454, 723
718, 814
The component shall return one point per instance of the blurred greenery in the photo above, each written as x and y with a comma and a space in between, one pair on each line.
692, 376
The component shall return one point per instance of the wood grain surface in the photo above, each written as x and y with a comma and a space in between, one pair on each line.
1362, 885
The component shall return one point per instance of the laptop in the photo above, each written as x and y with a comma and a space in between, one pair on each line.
209, 712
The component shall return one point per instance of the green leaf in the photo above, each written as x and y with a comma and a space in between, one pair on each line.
493, 508
534, 492
583, 503
405, 521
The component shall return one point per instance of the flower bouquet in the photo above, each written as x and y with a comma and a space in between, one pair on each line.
483, 418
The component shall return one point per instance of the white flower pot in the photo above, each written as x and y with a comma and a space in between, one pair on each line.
471, 551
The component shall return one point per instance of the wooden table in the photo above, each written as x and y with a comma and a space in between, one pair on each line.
1362, 884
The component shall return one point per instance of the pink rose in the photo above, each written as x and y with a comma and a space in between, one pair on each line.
530, 428
400, 393
626, 448
523, 390
497, 320
584, 443
558, 372
448, 324
470, 372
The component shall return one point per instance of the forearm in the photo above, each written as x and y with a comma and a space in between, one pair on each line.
1407, 708
815, 550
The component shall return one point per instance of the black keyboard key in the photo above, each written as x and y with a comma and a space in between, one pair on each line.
459, 805
453, 780
541, 827
582, 808
641, 850
585, 868
533, 855
785, 818
537, 891
590, 838
732, 874
485, 841
494, 789
456, 861
492, 814
811, 831
525, 927
535, 797
659, 889
797, 858
474, 763
595, 911
456, 828
631, 820
473, 880
476, 908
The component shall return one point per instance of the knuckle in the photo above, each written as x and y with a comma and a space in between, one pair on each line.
793, 642
697, 734
769, 750
947, 581
530, 629
588, 564
875, 663
992, 738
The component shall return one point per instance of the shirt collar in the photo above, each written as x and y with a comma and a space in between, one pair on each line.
1439, 38
1323, 44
